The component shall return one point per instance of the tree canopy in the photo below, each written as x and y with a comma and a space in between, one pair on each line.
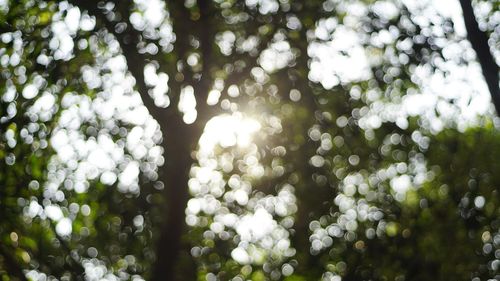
249, 140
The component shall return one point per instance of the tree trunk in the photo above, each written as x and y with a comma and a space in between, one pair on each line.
479, 42
179, 140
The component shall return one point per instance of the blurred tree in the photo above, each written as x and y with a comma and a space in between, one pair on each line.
479, 41
247, 140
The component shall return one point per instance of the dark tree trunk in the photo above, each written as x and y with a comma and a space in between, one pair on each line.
179, 140
479, 42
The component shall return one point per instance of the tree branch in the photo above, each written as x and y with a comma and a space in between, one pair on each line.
479, 42
128, 40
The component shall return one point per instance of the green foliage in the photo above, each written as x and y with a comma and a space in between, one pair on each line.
315, 175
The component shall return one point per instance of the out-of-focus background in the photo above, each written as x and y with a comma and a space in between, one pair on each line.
249, 140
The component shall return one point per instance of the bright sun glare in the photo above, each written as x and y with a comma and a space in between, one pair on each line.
258, 221
228, 130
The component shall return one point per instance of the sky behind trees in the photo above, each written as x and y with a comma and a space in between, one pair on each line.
249, 140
